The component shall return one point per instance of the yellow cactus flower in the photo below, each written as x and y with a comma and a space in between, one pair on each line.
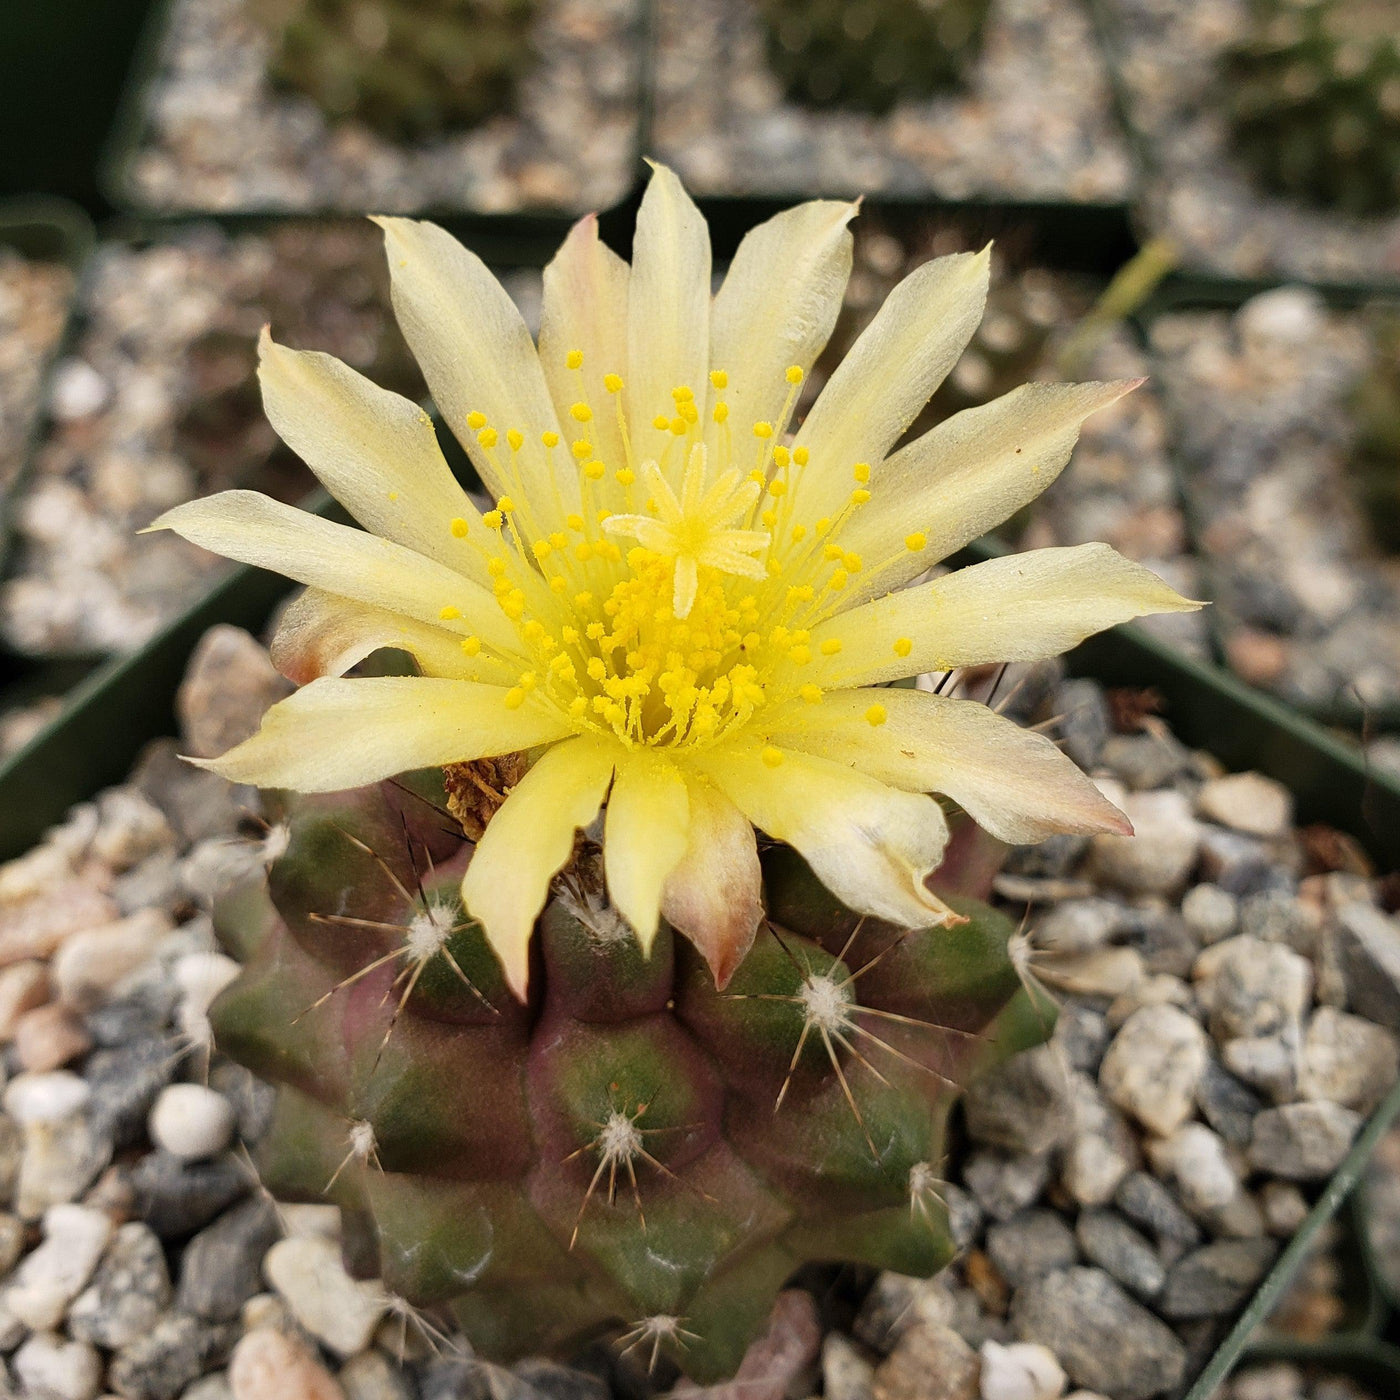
679, 600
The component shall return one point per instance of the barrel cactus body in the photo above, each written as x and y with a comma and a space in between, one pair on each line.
632, 1151
1314, 101
872, 54
407, 68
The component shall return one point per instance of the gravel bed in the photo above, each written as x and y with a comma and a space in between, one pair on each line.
219, 136
1258, 400
1226, 1022
1167, 58
1036, 124
158, 403
34, 298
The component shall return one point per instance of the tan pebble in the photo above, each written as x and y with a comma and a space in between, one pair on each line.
91, 963
268, 1365
49, 1036
23, 986
36, 927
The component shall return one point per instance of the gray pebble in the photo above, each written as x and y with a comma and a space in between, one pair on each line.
176, 1198
1347, 1060
162, 1362
1030, 1244
1084, 728
1104, 1339
1021, 1106
1144, 761
1253, 988
1110, 1242
1369, 944
558, 1382
1303, 1141
1210, 912
1003, 1185
129, 1291
1279, 916
1148, 1203
1227, 1104
222, 1265
1217, 1278
125, 1082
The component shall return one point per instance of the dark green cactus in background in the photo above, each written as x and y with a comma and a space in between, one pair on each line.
1375, 459
1313, 97
634, 1153
871, 54
407, 68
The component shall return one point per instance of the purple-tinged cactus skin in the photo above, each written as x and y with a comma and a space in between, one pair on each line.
632, 1152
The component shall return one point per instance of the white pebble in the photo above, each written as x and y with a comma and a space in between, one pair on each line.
55, 1273
190, 1121
78, 391
58, 1369
200, 978
45, 1098
340, 1311
1021, 1371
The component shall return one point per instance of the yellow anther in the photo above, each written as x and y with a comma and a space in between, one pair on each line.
800, 655
799, 533
682, 392
559, 584
595, 667
822, 526
831, 646
625, 476
762, 430
756, 476
516, 439
569, 634
781, 456
903, 646
574, 360
542, 550
719, 379
688, 411
583, 551
393, 495
550, 439
777, 487
811, 693
838, 580
583, 601
580, 412
915, 542
661, 422
574, 521
496, 567
594, 470
721, 412
528, 681
859, 496
558, 539
861, 471
852, 563
513, 605
769, 519
594, 631
505, 505
876, 715
476, 420
794, 374
448, 613
678, 426
488, 437
515, 698
458, 526
612, 383
471, 645
801, 456
772, 757
578, 707
493, 520
831, 552
581, 448
533, 630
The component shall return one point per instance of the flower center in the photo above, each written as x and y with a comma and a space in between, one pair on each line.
708, 616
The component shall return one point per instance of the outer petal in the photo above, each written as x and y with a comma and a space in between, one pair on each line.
668, 308
528, 841
1019, 608
476, 354
714, 896
336, 734
902, 356
585, 308
255, 529
322, 635
778, 304
1015, 784
645, 837
374, 451
871, 845
968, 474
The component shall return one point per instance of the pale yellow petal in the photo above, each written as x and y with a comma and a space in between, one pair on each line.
375, 452
645, 836
585, 308
1015, 784
778, 304
334, 734
528, 842
255, 529
967, 475
891, 372
714, 896
1018, 608
668, 307
320, 634
870, 844
477, 356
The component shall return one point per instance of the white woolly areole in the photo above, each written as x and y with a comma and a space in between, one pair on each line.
825, 1003
428, 930
620, 1139
362, 1140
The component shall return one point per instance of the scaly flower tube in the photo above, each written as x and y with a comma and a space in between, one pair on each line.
682, 605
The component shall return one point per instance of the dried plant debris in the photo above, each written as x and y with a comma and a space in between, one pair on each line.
1181, 67
1273, 452
34, 298
1032, 118
223, 134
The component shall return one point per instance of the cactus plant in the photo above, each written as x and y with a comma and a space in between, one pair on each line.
481, 1042
872, 54
1375, 457
1313, 100
407, 68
